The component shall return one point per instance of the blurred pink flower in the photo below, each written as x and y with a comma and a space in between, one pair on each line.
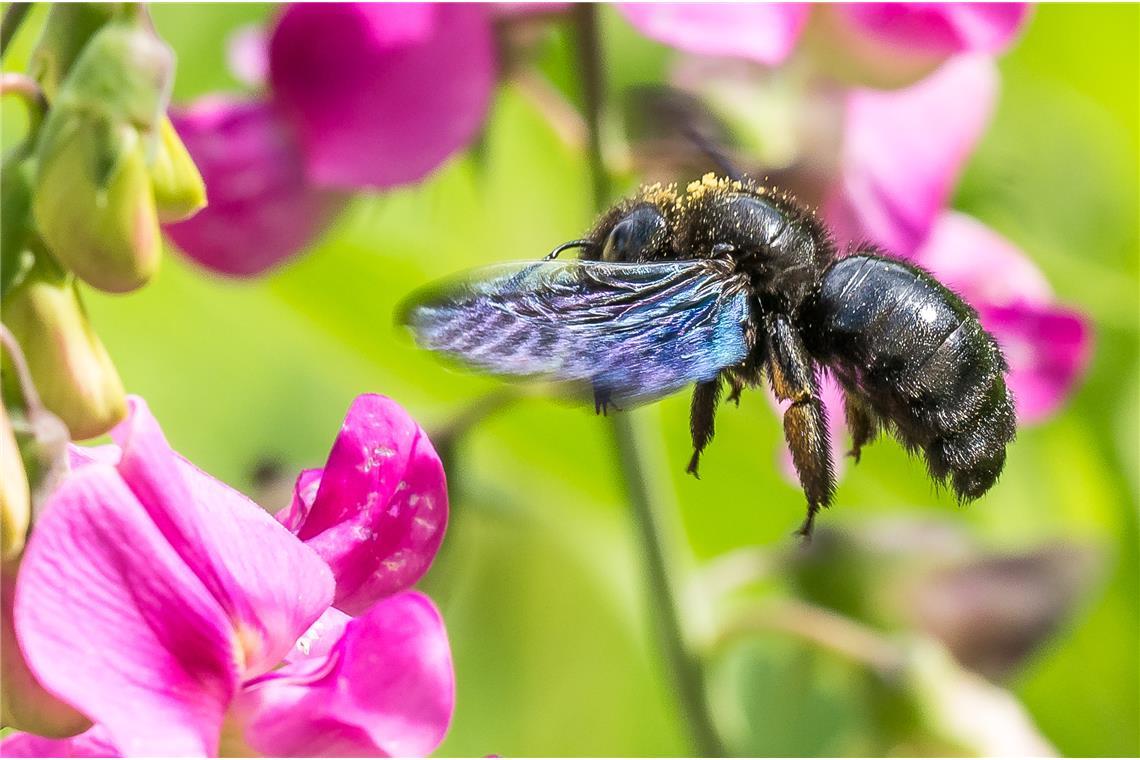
762, 32
263, 209
901, 157
360, 96
940, 28
767, 33
377, 511
162, 605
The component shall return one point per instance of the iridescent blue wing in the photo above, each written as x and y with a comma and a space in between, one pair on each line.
635, 332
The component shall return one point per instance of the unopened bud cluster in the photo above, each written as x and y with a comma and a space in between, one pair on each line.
83, 197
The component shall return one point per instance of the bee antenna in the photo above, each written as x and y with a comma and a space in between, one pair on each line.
583, 243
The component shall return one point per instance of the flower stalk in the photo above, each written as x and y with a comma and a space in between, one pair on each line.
682, 665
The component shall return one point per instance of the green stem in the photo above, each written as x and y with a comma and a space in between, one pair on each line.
13, 17
684, 668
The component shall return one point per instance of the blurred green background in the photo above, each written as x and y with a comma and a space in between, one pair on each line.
539, 578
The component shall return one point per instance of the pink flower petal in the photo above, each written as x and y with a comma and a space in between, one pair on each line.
270, 586
112, 620
382, 94
761, 32
903, 151
980, 264
941, 29
1048, 350
91, 743
247, 55
386, 688
262, 210
379, 512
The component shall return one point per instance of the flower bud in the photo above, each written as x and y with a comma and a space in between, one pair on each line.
15, 217
67, 30
15, 499
94, 204
178, 188
68, 364
24, 703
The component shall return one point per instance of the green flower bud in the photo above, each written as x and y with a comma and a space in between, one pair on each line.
68, 364
178, 188
68, 28
93, 202
15, 217
15, 498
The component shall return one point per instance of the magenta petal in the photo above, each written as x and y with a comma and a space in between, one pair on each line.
980, 264
270, 585
762, 32
1048, 351
940, 29
247, 55
1047, 347
91, 743
380, 510
903, 151
261, 210
113, 621
387, 687
382, 94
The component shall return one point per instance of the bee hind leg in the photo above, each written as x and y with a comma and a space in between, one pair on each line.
702, 416
862, 421
793, 378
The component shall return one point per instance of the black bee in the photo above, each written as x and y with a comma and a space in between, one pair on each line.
722, 283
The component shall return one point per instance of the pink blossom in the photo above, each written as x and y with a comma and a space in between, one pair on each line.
381, 94
902, 154
943, 29
263, 210
901, 157
377, 511
162, 604
897, 34
360, 96
762, 32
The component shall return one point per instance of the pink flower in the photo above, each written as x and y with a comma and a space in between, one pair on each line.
762, 32
377, 511
884, 44
901, 156
262, 210
164, 605
360, 96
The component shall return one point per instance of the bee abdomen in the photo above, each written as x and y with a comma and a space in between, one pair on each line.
918, 355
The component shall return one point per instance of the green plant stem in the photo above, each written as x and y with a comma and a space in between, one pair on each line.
13, 17
684, 669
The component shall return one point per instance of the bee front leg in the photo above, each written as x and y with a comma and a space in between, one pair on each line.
793, 378
702, 420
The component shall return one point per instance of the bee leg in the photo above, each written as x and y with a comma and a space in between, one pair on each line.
735, 386
861, 421
792, 374
601, 402
701, 420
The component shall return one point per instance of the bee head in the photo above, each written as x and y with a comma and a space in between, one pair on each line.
640, 233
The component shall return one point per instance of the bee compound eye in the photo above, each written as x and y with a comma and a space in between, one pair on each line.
636, 237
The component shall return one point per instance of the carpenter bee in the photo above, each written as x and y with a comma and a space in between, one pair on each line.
725, 282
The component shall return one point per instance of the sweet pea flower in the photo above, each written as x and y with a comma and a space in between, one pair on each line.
902, 154
359, 97
184, 620
880, 44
